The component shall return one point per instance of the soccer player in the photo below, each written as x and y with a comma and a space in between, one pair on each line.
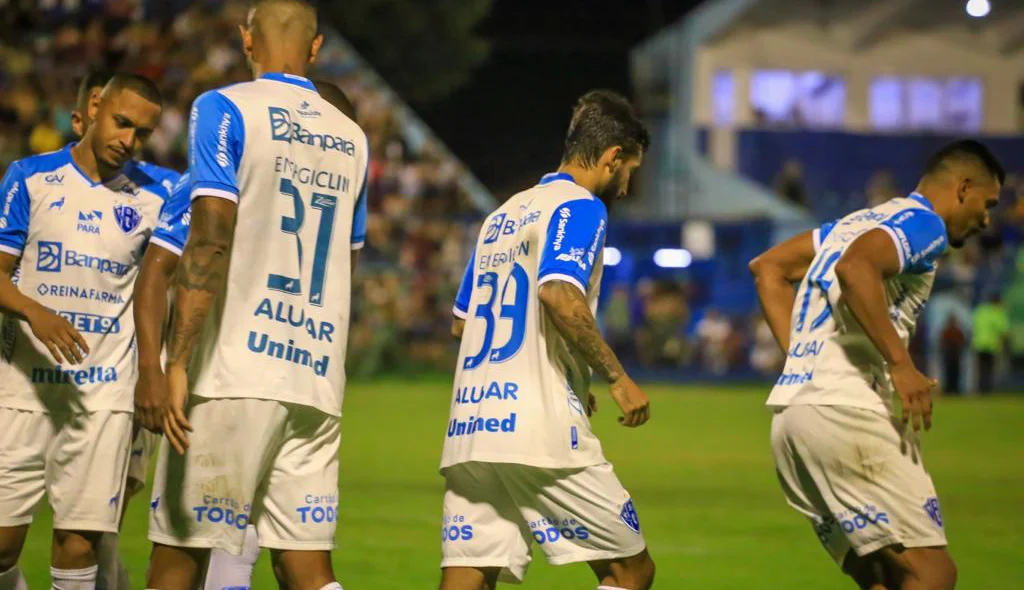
520, 460
74, 223
112, 574
846, 458
278, 181
158, 267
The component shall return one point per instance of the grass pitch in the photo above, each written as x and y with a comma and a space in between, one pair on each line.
701, 476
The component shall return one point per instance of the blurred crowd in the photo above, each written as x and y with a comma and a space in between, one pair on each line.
420, 219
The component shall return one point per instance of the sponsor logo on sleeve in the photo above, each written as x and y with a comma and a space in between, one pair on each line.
222, 141
563, 218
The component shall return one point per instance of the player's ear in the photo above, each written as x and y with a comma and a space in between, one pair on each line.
610, 159
246, 36
961, 192
94, 104
76, 122
314, 49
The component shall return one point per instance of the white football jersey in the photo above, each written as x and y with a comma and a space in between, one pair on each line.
519, 389
80, 244
831, 360
297, 167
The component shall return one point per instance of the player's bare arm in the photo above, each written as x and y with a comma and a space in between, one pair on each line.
60, 337
458, 327
568, 309
200, 278
870, 260
151, 288
776, 272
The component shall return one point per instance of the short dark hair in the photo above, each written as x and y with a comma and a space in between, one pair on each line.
603, 119
138, 84
966, 151
94, 79
334, 95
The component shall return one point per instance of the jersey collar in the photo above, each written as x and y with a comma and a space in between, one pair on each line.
549, 178
920, 199
289, 79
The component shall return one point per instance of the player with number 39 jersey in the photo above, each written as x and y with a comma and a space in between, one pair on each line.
521, 461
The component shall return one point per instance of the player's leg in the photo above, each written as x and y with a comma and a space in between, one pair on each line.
226, 570
24, 439
483, 537
113, 575
296, 513
583, 515
202, 499
85, 474
469, 578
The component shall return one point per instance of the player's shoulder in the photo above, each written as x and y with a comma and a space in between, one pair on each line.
165, 176
152, 179
41, 163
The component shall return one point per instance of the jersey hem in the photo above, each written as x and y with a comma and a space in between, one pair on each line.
562, 277
202, 191
878, 408
899, 246
11, 250
81, 409
166, 245
524, 460
335, 412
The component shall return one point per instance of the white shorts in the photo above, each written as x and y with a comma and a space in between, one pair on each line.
263, 461
143, 445
861, 483
77, 460
494, 512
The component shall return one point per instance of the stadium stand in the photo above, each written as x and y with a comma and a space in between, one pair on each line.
423, 200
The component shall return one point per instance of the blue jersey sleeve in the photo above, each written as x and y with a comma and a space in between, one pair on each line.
175, 216
359, 215
821, 233
216, 136
14, 209
920, 238
575, 237
461, 309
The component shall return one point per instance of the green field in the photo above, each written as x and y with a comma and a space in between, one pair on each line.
701, 476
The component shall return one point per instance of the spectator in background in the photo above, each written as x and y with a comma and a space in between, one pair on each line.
881, 188
765, 355
1015, 314
951, 344
713, 332
790, 183
991, 327
661, 340
617, 326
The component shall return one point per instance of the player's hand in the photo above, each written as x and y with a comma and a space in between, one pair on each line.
151, 398
636, 408
176, 425
591, 404
57, 334
915, 391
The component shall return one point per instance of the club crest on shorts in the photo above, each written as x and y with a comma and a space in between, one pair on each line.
128, 217
629, 516
932, 508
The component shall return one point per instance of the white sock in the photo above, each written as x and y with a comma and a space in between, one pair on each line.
112, 574
13, 580
333, 586
610, 588
231, 571
83, 579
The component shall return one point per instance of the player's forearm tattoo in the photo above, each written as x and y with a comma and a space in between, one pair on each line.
200, 277
575, 322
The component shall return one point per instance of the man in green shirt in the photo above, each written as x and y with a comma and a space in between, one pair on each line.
991, 328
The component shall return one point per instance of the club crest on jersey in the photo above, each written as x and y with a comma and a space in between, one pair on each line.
629, 516
128, 217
